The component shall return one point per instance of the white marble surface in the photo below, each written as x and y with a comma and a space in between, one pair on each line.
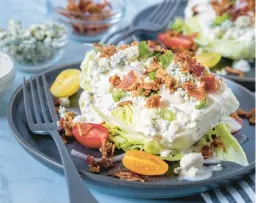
22, 178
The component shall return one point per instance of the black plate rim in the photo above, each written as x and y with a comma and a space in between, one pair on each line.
110, 180
135, 38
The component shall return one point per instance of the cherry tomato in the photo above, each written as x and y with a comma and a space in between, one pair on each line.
174, 42
66, 83
144, 163
92, 134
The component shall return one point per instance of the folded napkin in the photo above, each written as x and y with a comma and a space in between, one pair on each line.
240, 192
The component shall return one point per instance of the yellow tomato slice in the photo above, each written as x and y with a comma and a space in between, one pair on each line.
208, 59
66, 83
144, 163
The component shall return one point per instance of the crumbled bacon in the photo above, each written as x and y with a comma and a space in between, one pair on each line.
194, 91
154, 65
153, 46
211, 83
218, 143
153, 101
249, 115
83, 129
115, 80
106, 51
93, 165
125, 174
234, 71
66, 123
134, 43
189, 64
124, 103
207, 151
122, 47
129, 82
222, 6
169, 81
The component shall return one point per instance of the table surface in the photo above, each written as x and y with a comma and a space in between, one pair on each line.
22, 178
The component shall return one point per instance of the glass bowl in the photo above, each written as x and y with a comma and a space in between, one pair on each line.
85, 26
7, 72
33, 40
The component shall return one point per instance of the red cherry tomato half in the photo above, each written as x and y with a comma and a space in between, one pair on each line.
92, 134
185, 42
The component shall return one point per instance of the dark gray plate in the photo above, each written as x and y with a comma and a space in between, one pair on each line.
44, 149
249, 79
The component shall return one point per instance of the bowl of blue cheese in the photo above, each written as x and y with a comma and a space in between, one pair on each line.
33, 46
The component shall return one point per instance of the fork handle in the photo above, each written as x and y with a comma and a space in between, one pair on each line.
78, 192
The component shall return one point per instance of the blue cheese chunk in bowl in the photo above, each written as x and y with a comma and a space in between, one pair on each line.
33, 45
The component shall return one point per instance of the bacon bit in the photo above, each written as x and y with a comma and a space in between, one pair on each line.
83, 129
125, 174
234, 71
221, 7
211, 83
134, 44
189, 64
125, 103
207, 151
170, 83
107, 148
218, 143
249, 115
93, 165
235, 116
107, 51
122, 47
154, 65
153, 101
153, 46
129, 82
194, 91
66, 123
115, 80
146, 89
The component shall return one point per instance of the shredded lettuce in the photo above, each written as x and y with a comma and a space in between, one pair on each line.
125, 113
233, 49
232, 150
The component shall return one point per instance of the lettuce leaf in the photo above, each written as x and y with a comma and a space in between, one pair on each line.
232, 150
233, 49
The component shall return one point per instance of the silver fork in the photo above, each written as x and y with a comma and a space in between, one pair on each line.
45, 122
155, 22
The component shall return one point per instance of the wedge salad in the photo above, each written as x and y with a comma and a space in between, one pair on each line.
212, 29
157, 107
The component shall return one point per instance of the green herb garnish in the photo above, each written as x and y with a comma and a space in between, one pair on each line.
220, 19
118, 94
166, 58
152, 75
201, 104
167, 115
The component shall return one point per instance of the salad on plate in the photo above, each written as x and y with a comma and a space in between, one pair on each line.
217, 33
154, 108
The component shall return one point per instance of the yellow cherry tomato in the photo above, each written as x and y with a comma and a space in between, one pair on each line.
66, 83
144, 163
208, 59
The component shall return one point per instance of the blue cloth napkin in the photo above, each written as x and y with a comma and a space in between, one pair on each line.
241, 192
